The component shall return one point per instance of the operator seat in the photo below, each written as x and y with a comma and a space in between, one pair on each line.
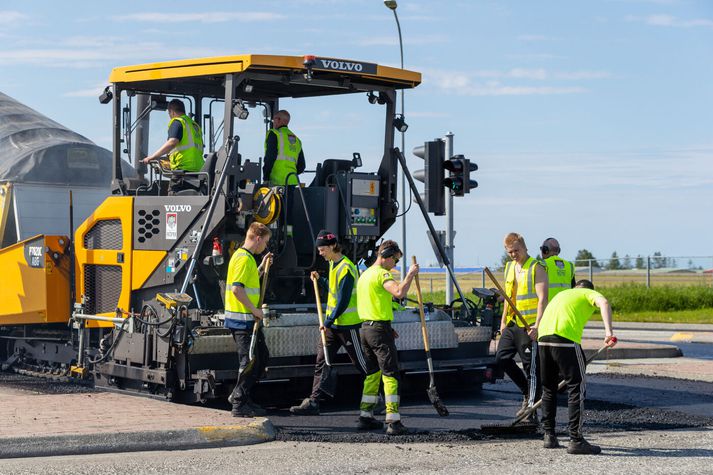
193, 183
329, 167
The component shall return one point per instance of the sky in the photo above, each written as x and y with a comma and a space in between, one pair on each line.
591, 122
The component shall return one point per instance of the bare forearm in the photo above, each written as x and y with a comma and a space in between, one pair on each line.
164, 149
242, 297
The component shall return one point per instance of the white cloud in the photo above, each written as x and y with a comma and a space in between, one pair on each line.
93, 91
89, 52
393, 40
501, 83
205, 17
9, 17
669, 21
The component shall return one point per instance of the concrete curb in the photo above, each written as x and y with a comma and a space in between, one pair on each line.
258, 431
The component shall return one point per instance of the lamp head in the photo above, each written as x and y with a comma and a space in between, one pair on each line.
390, 4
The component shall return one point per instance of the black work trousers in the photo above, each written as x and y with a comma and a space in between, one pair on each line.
562, 358
379, 346
336, 338
242, 391
514, 340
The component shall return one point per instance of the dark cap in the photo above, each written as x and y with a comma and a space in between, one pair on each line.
325, 238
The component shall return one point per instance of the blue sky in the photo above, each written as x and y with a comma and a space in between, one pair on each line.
590, 121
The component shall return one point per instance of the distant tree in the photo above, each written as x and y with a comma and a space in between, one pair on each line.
504, 259
672, 263
690, 264
658, 261
626, 262
585, 255
614, 263
640, 263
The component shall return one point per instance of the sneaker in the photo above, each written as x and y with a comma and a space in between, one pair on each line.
523, 407
309, 407
231, 398
369, 423
582, 447
396, 428
551, 441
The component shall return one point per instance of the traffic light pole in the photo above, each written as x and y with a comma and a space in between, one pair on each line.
427, 218
449, 222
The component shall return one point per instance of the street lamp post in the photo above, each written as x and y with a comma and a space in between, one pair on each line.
391, 5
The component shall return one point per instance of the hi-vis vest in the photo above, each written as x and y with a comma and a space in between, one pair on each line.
288, 151
560, 274
336, 274
526, 299
241, 263
188, 154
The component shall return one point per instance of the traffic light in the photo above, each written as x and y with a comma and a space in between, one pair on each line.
433, 154
458, 180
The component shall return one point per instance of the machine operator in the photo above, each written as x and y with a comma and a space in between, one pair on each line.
184, 144
284, 157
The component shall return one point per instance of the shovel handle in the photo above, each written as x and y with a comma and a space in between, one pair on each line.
421, 313
509, 302
318, 300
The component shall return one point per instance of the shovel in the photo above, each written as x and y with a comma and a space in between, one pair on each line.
509, 302
253, 340
431, 391
328, 379
516, 426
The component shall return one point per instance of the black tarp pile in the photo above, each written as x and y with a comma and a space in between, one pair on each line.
36, 149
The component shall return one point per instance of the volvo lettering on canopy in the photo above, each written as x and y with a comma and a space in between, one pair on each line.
332, 64
177, 208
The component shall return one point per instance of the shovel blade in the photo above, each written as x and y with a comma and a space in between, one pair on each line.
441, 408
328, 381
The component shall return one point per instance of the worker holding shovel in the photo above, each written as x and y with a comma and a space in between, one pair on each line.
243, 316
340, 328
375, 289
560, 337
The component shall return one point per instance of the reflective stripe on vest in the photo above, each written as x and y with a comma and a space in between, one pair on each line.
188, 154
526, 298
560, 275
350, 316
240, 259
289, 147
241, 317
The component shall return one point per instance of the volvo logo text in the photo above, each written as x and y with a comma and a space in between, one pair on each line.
177, 208
341, 65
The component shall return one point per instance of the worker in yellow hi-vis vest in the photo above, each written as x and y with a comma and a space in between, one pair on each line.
341, 327
526, 284
375, 289
560, 273
284, 157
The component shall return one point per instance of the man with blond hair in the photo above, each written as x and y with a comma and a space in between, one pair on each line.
526, 284
242, 298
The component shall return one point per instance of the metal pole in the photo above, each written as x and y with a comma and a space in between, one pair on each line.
591, 273
648, 272
449, 222
482, 278
403, 148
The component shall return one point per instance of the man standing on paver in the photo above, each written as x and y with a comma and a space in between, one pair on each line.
560, 352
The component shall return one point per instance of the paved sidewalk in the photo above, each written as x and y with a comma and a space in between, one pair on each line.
61, 424
679, 368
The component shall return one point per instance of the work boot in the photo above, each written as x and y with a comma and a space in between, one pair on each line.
396, 428
582, 447
309, 407
551, 441
257, 409
243, 409
523, 407
369, 423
